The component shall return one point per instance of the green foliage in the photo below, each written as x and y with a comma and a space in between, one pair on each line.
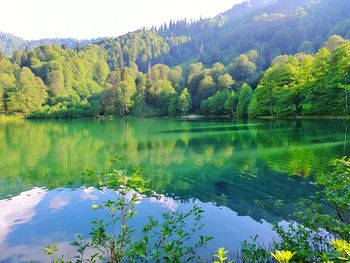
139, 73
335, 216
245, 96
306, 47
243, 68
29, 95
225, 81
306, 243
206, 87
274, 28
182, 104
325, 217
252, 252
283, 256
220, 257
304, 84
231, 103
65, 109
215, 105
166, 240
342, 250
50, 251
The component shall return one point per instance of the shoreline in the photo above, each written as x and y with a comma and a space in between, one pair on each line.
11, 117
316, 117
187, 117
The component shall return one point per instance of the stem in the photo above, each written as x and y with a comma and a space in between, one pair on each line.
345, 135
123, 221
346, 100
339, 214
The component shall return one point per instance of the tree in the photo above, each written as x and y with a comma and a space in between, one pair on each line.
124, 92
318, 93
1, 97
245, 96
7, 81
30, 93
215, 105
206, 87
339, 76
225, 81
306, 47
274, 95
55, 82
217, 70
164, 94
242, 68
184, 103
231, 103
333, 42
101, 71
282, 39
318, 42
195, 68
175, 76
159, 72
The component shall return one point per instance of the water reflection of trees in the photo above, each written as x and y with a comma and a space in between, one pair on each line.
237, 164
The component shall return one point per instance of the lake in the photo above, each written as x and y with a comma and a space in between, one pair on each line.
245, 175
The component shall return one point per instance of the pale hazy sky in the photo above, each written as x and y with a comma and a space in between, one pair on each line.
34, 19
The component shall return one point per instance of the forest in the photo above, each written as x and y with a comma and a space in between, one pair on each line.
222, 66
262, 184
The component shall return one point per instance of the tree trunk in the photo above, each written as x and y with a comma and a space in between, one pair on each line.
346, 100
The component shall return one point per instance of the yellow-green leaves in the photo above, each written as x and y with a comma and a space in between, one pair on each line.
221, 256
342, 247
51, 249
282, 256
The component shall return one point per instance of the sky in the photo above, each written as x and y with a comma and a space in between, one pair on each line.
86, 19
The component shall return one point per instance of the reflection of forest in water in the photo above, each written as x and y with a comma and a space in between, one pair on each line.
241, 165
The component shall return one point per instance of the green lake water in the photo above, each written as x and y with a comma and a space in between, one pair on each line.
245, 175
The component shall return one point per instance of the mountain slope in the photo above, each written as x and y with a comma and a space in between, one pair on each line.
272, 27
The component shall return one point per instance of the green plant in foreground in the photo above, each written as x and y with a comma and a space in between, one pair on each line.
325, 217
113, 240
331, 208
253, 252
341, 252
343, 247
50, 250
221, 256
283, 256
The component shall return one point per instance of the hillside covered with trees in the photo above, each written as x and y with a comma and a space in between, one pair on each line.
261, 58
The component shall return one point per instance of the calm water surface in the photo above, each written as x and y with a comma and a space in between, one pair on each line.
245, 175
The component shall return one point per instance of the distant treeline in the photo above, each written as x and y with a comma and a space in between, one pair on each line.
54, 82
239, 63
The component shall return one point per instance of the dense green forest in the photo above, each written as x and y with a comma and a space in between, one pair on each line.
261, 58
